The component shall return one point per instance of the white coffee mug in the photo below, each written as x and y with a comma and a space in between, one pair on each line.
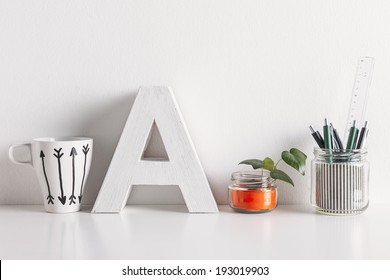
62, 166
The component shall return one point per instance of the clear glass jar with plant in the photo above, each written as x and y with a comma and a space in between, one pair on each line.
255, 191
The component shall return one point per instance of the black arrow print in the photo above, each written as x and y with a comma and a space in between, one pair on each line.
62, 198
85, 151
72, 198
49, 197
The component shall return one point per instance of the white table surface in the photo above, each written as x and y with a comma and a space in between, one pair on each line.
169, 232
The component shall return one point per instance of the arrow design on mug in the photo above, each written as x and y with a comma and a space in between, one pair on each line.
58, 155
50, 198
72, 198
85, 151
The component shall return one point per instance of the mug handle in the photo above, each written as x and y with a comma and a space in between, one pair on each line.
11, 154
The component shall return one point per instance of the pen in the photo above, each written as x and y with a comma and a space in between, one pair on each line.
363, 136
352, 137
337, 138
335, 144
328, 142
317, 136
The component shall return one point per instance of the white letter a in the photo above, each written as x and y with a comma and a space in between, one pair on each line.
155, 105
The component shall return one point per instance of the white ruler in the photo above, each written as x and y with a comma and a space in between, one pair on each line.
357, 108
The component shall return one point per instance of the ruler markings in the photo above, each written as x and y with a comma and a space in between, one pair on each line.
358, 105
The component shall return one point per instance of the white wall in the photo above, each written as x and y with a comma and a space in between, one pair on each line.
249, 76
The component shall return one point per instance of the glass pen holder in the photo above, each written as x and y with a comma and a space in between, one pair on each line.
339, 181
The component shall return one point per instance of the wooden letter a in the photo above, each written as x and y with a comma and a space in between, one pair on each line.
155, 105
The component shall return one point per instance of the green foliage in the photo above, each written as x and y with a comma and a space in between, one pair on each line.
294, 158
280, 175
268, 164
255, 163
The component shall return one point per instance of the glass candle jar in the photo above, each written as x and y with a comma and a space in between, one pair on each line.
339, 181
252, 192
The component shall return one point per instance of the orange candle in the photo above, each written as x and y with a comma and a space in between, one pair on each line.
252, 193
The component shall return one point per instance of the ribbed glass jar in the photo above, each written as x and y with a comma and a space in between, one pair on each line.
252, 192
339, 181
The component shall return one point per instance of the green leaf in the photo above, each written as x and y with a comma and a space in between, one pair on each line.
296, 159
255, 163
280, 175
268, 164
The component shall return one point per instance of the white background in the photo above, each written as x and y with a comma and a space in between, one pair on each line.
249, 77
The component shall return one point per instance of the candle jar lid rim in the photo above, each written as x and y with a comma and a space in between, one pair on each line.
253, 179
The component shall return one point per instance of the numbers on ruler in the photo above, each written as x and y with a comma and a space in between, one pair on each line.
360, 92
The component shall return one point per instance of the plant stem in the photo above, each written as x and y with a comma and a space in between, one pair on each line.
277, 162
